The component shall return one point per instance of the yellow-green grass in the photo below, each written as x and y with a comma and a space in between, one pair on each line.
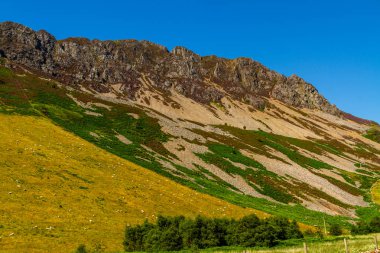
358, 244
375, 191
58, 191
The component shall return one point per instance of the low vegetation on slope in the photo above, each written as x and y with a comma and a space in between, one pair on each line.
373, 133
61, 191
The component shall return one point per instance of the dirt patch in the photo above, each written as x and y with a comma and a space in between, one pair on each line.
93, 113
123, 139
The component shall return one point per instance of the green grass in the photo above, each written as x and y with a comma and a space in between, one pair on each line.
368, 213
358, 244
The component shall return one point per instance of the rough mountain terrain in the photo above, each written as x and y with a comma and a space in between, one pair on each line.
232, 129
99, 64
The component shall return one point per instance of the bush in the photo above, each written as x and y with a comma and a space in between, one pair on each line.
363, 227
335, 229
81, 249
177, 233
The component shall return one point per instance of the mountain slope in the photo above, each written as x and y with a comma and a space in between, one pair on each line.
199, 154
61, 191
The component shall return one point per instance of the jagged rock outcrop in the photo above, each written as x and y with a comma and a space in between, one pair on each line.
296, 92
25, 46
98, 64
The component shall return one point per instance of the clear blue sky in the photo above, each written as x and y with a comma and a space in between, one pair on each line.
332, 44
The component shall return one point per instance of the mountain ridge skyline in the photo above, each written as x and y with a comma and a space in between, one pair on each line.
333, 46
325, 91
19, 41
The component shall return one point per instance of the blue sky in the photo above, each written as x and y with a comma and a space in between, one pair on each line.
335, 45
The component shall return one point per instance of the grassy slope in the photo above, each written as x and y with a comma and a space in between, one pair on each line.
51, 178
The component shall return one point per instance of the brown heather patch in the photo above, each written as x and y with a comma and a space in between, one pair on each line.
77, 40
356, 119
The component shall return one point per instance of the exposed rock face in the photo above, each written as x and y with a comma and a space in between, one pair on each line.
98, 64
25, 46
295, 91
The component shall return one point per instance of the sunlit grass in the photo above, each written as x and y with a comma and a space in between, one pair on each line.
58, 191
359, 244
375, 191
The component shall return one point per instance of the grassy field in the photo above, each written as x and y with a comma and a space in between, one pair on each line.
61, 191
358, 244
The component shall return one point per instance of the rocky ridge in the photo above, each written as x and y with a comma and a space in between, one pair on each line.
99, 64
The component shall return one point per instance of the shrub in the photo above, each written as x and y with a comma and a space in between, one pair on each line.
81, 249
363, 227
335, 229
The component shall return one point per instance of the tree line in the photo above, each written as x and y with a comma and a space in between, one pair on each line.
178, 233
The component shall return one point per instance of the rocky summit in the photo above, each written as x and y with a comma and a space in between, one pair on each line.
98, 64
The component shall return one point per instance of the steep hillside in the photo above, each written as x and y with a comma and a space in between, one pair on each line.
61, 191
232, 129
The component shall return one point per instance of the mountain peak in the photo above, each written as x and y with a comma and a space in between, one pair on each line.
75, 61
185, 53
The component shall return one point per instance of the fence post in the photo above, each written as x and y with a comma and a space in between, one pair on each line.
376, 245
305, 247
346, 245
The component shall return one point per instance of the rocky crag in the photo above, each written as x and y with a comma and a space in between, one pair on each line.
99, 64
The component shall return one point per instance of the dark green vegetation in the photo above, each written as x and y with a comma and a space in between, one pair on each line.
28, 94
367, 227
177, 233
335, 230
81, 249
